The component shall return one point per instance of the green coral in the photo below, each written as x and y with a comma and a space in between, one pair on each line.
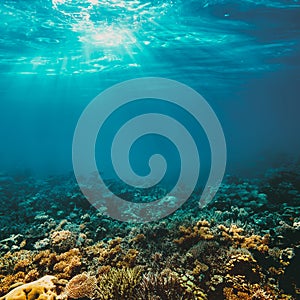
119, 284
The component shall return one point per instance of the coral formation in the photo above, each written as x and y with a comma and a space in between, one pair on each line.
119, 284
82, 285
234, 236
62, 240
168, 285
243, 265
192, 235
244, 245
42, 289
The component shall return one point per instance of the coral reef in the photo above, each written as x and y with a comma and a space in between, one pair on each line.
243, 245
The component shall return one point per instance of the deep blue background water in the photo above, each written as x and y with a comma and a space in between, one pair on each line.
56, 56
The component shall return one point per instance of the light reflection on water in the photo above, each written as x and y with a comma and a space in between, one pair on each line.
75, 36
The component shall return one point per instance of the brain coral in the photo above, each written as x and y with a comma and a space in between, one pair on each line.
42, 289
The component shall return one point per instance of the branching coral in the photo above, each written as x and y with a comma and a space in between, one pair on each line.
13, 268
243, 265
112, 254
241, 290
15, 261
64, 265
7, 281
119, 284
234, 236
168, 285
69, 264
192, 235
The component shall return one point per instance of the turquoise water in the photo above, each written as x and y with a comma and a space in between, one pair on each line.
56, 56
156, 223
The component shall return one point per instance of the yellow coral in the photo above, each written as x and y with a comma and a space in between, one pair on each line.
68, 264
42, 289
199, 268
234, 236
7, 281
244, 265
191, 235
129, 259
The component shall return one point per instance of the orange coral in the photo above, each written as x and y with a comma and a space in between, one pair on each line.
22, 265
45, 260
239, 289
191, 235
68, 264
7, 281
42, 289
233, 235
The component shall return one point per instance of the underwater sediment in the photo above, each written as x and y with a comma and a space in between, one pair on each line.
243, 245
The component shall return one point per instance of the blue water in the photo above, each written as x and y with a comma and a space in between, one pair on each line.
56, 56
